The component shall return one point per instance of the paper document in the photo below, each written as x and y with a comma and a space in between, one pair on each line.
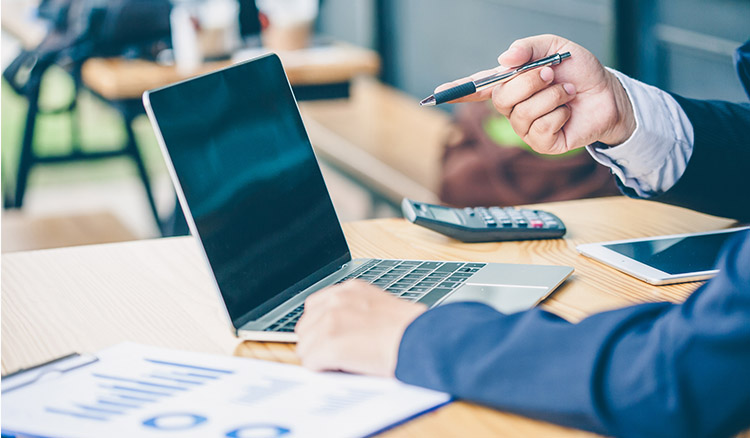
135, 390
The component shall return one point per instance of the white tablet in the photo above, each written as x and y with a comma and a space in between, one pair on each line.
664, 259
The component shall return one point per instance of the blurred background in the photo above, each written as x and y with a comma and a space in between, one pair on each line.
80, 163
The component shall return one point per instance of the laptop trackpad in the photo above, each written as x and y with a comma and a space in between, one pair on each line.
505, 299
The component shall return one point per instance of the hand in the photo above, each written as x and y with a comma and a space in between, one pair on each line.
556, 109
354, 327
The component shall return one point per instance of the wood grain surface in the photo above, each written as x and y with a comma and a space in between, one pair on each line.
23, 232
159, 292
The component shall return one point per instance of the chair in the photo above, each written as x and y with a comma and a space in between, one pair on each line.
68, 47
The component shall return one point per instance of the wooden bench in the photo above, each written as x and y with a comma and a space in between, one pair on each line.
381, 138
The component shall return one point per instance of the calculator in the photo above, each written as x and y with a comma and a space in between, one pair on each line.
484, 224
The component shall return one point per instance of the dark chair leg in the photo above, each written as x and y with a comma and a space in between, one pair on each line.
27, 158
131, 149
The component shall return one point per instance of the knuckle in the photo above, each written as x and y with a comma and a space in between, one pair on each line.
518, 127
531, 82
522, 113
336, 300
559, 94
499, 102
331, 324
538, 142
310, 303
542, 125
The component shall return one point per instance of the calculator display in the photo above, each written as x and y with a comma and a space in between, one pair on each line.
444, 214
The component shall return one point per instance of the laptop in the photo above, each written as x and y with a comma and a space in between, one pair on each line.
254, 198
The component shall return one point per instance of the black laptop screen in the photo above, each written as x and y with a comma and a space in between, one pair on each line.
252, 184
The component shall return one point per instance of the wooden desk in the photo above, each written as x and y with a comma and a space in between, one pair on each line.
159, 292
121, 79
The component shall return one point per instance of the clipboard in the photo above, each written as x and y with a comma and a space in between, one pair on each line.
27, 376
136, 390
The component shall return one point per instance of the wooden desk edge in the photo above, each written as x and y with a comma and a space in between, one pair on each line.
121, 79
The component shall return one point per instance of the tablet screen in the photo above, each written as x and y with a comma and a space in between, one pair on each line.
676, 255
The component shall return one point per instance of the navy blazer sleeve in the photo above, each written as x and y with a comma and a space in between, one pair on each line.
717, 178
657, 369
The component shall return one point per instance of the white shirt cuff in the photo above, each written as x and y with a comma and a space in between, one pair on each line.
656, 155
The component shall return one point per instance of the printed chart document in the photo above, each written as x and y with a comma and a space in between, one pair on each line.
134, 390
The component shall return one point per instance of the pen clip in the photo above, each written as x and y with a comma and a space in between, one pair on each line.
549, 60
508, 74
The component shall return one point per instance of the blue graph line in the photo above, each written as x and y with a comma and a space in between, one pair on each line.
142, 391
183, 365
176, 379
140, 382
119, 404
202, 376
103, 411
75, 414
132, 397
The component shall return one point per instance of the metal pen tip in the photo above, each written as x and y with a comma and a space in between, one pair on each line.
427, 101
564, 55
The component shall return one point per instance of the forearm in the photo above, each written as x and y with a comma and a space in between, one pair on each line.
649, 370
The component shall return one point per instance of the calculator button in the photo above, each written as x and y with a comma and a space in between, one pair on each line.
536, 224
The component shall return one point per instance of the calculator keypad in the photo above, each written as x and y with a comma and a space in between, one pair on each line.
485, 224
510, 217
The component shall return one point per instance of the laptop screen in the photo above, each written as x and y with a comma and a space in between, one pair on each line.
251, 181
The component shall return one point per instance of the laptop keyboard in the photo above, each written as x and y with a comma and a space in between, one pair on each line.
406, 279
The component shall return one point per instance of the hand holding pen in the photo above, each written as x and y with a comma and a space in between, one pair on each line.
490, 80
560, 108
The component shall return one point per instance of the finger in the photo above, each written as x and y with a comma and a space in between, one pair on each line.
508, 96
326, 302
311, 350
314, 331
316, 306
515, 56
536, 106
321, 358
476, 97
321, 347
526, 49
546, 134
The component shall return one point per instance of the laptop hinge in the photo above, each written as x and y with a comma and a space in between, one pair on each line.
293, 290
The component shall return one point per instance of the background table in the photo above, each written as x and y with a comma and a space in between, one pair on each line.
159, 292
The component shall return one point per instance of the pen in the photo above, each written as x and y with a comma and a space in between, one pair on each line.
472, 87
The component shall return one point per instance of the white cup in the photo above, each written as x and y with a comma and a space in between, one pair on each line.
287, 24
203, 29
